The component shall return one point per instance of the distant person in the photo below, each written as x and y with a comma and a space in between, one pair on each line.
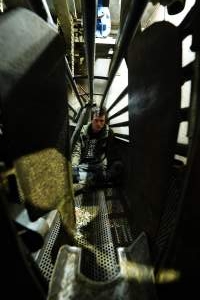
95, 158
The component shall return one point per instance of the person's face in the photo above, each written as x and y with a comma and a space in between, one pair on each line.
98, 122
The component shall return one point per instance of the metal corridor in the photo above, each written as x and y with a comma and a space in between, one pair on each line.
135, 241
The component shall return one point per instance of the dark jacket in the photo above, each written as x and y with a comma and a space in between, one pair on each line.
93, 148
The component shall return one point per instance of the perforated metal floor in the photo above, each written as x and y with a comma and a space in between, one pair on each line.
102, 227
99, 260
44, 258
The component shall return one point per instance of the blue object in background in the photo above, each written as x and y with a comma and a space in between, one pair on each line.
103, 26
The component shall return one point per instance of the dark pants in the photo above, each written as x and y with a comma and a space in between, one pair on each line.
95, 174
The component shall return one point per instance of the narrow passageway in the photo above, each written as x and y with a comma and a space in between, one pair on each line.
133, 238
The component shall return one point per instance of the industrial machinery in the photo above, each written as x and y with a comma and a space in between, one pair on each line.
139, 239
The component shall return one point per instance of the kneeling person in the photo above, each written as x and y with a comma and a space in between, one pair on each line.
91, 156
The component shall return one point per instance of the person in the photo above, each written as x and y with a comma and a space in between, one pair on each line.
95, 158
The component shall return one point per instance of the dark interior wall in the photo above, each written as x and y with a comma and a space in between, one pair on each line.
34, 116
33, 86
125, 151
154, 89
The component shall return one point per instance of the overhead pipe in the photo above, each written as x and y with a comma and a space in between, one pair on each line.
89, 9
72, 83
128, 31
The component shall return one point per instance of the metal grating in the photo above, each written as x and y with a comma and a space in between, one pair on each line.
120, 229
99, 260
44, 258
101, 228
168, 219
